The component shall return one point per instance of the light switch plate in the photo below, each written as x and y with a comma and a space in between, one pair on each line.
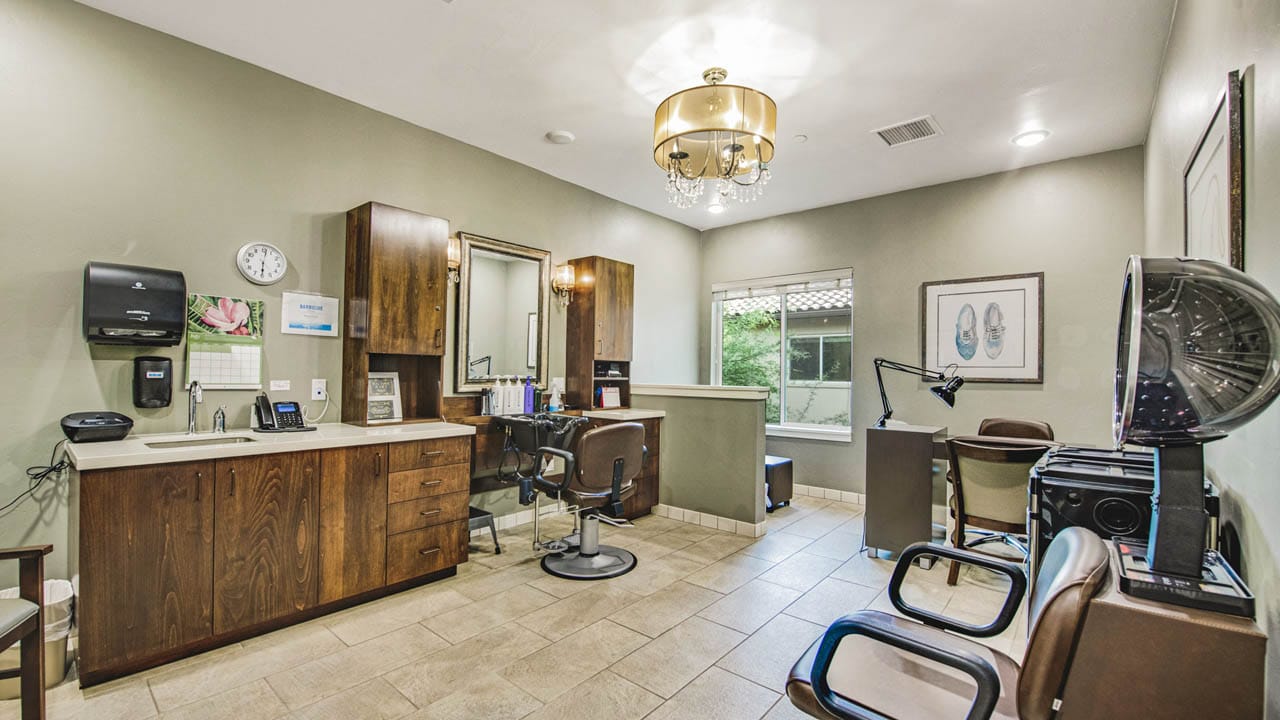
279, 385
319, 388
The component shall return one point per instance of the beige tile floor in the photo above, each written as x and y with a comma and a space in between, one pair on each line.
707, 626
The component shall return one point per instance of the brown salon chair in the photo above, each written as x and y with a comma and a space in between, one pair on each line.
598, 478
989, 490
1025, 429
873, 665
22, 620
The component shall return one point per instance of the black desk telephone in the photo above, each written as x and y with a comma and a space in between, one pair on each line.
278, 416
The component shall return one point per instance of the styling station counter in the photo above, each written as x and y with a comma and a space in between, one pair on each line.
184, 543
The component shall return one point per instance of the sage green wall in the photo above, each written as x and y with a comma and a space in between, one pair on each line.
1077, 220
1209, 39
712, 455
123, 144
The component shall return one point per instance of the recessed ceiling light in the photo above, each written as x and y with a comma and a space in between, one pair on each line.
715, 207
560, 137
800, 138
1027, 139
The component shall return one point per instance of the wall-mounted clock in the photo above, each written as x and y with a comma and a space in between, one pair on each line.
261, 263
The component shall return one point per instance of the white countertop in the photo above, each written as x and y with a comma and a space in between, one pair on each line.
133, 449
720, 392
625, 415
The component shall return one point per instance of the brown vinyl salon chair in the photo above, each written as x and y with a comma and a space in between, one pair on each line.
989, 490
597, 480
872, 665
1008, 427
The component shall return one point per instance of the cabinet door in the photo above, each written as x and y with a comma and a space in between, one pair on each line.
264, 560
614, 300
146, 561
408, 274
353, 521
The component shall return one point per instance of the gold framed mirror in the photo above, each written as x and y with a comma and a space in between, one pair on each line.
504, 292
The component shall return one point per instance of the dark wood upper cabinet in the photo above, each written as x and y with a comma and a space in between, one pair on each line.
265, 560
353, 521
144, 531
397, 279
598, 327
404, 257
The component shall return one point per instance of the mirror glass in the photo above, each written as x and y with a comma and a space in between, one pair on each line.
502, 311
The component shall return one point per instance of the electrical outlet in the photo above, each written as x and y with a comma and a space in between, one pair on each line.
319, 389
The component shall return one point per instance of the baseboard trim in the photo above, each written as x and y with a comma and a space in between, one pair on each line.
828, 494
693, 517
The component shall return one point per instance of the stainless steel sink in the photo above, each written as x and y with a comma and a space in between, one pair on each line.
200, 442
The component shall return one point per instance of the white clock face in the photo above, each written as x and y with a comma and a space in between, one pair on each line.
261, 263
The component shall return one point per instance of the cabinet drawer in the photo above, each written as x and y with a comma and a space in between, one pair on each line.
428, 453
416, 553
427, 512
428, 482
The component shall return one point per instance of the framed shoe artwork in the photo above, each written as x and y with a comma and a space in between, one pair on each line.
990, 329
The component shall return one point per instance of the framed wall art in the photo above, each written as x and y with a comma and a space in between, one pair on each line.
990, 328
1213, 184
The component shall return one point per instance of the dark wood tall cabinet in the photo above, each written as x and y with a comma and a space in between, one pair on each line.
265, 561
599, 330
395, 297
144, 530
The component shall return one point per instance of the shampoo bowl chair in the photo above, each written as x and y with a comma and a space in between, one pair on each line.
596, 481
872, 665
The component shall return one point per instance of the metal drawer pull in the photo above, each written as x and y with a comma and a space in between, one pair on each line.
433, 453
429, 513
429, 483
428, 552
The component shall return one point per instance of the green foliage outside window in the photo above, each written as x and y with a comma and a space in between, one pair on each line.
751, 345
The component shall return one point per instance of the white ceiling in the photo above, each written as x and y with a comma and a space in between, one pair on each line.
499, 74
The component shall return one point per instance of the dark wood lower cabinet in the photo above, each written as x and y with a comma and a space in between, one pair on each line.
353, 521
181, 558
265, 561
145, 532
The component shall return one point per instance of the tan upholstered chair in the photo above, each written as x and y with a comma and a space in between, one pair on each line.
22, 620
989, 489
875, 665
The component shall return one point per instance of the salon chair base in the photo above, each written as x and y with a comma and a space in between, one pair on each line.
608, 562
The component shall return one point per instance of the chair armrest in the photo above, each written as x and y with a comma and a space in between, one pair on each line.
1017, 588
873, 626
25, 553
569, 463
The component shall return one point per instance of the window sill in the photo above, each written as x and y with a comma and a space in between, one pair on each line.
789, 432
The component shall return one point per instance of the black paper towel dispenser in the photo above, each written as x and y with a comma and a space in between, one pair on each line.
127, 305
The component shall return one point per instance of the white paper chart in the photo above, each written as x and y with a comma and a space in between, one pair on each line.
225, 367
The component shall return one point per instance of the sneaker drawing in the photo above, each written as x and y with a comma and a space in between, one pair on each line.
967, 332
993, 330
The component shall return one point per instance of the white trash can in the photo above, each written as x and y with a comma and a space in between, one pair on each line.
58, 596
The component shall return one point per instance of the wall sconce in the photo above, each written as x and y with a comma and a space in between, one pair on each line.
562, 283
455, 259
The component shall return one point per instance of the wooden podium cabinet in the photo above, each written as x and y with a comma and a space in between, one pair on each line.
599, 330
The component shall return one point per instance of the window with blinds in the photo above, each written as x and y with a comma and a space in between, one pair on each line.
794, 335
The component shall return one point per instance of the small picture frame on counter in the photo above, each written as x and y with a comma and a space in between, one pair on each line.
384, 404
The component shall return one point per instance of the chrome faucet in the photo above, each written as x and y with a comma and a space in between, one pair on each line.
195, 396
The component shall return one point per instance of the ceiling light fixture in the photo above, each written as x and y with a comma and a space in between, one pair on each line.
560, 137
715, 207
715, 132
1027, 139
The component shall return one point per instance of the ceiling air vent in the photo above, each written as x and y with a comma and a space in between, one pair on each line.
909, 131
